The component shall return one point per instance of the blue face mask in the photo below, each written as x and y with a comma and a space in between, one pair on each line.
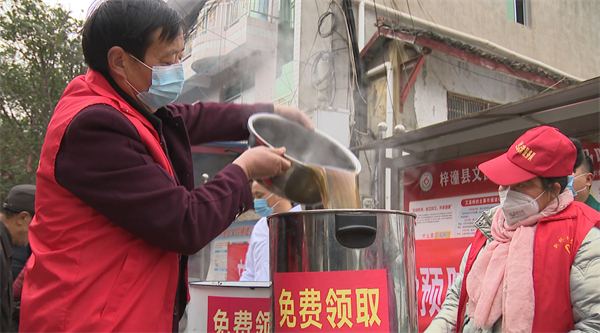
167, 82
261, 207
570, 184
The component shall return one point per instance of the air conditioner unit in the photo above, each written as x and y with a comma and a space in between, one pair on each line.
333, 122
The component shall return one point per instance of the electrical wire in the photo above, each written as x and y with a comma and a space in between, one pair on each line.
409, 13
328, 77
301, 74
352, 55
354, 82
402, 69
396, 15
325, 56
425, 12
303, 70
333, 25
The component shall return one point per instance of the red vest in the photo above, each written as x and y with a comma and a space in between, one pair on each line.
557, 240
87, 274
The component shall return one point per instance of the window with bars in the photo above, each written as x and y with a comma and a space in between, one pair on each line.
459, 105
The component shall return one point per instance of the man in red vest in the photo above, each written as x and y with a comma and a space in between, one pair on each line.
533, 264
117, 211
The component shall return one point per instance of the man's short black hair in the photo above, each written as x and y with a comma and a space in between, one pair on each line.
589, 164
128, 24
580, 154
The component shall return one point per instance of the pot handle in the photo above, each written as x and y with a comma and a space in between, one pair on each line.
355, 231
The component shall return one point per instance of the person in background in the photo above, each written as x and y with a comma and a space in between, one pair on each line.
17, 287
257, 257
583, 176
20, 256
15, 216
6, 302
117, 212
533, 264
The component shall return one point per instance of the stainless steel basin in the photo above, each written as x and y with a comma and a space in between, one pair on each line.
303, 147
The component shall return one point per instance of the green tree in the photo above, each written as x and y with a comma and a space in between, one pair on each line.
40, 52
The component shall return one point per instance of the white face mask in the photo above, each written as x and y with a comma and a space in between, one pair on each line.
517, 206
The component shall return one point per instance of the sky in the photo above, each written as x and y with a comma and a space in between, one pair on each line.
77, 7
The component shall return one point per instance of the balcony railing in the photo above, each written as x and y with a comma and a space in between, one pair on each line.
227, 13
219, 32
284, 100
254, 8
212, 16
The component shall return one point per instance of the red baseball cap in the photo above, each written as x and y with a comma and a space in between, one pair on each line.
542, 151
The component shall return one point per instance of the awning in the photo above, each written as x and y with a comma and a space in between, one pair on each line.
575, 110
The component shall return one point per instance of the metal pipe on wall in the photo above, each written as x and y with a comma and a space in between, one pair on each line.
383, 188
361, 25
380, 185
389, 119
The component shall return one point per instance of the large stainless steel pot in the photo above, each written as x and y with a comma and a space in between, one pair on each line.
302, 147
350, 240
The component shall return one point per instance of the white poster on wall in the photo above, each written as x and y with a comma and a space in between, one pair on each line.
450, 217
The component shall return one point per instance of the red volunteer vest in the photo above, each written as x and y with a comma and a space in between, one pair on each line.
557, 240
87, 273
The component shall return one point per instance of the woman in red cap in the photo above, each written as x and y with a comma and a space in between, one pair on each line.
534, 263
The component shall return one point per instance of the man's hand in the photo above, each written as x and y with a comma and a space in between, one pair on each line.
294, 114
263, 162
